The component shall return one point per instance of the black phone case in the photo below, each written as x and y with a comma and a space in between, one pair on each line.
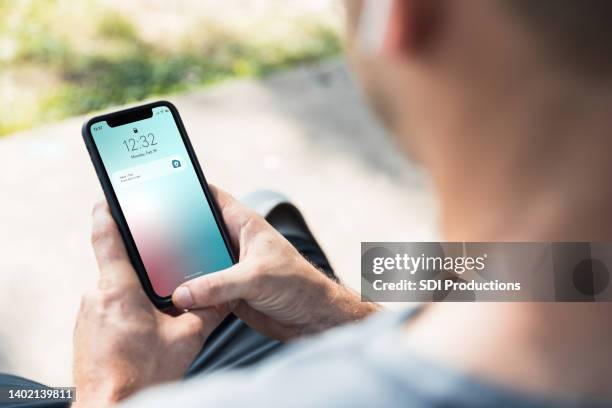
117, 213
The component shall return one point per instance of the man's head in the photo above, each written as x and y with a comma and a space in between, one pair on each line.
436, 67
505, 102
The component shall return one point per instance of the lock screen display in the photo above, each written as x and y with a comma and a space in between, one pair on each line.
162, 200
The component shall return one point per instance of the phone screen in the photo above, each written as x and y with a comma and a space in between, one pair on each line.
162, 200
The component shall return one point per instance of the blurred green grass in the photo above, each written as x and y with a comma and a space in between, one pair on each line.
55, 65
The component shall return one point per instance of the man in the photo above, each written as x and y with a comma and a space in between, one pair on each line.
507, 104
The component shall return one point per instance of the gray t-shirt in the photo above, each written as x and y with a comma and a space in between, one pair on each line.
361, 365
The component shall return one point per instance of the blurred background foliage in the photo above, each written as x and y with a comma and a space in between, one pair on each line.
60, 58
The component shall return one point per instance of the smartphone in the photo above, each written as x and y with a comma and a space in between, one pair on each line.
158, 196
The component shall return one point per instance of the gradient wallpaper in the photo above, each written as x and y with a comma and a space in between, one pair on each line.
162, 200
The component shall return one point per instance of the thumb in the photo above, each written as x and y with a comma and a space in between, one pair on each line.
213, 289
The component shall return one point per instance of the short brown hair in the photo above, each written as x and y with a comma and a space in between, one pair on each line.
577, 31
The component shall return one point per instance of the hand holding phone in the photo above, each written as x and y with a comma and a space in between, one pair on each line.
122, 342
158, 196
273, 289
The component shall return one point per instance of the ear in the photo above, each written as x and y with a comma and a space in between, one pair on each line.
410, 26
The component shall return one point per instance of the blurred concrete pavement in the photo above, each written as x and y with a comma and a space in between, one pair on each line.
303, 132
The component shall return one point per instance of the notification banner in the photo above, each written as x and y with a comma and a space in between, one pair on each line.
149, 171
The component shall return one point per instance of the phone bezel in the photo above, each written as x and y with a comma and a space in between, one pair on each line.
116, 211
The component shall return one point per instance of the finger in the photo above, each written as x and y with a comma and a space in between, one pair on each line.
201, 321
105, 238
213, 289
109, 249
262, 323
235, 214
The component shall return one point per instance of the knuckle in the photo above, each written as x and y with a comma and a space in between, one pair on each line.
211, 286
105, 286
100, 205
88, 299
107, 293
197, 327
97, 302
250, 222
205, 290
254, 223
101, 231
233, 305
235, 212
261, 274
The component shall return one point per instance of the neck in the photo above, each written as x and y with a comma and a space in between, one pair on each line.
539, 171
553, 349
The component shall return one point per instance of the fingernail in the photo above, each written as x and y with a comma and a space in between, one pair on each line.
182, 298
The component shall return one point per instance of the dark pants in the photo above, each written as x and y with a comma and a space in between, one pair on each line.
233, 344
